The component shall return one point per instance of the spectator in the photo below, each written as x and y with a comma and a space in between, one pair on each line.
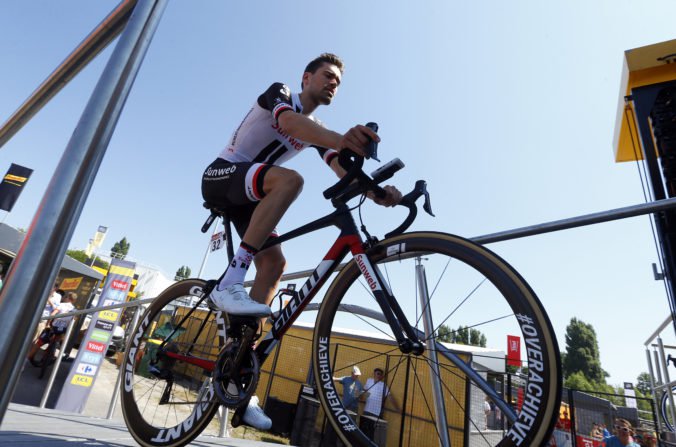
604, 431
352, 389
52, 302
645, 438
623, 435
56, 326
376, 393
596, 431
487, 411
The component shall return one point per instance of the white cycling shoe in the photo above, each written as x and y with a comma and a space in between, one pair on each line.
255, 417
235, 301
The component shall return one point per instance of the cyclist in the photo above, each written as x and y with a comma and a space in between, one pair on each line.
57, 326
248, 180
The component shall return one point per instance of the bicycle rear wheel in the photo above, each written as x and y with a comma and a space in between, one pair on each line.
471, 293
164, 401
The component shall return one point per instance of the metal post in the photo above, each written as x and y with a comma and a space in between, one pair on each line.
87, 50
658, 365
644, 100
402, 426
651, 373
435, 377
55, 368
667, 380
37, 262
206, 255
571, 414
223, 420
113, 400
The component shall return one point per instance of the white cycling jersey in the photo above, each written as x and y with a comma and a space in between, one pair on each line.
259, 139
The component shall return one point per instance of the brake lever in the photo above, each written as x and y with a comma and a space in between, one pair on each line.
427, 206
372, 146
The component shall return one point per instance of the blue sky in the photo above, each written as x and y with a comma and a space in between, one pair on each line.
507, 109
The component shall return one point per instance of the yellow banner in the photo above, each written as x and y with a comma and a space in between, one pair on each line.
71, 283
82, 380
108, 315
16, 178
124, 271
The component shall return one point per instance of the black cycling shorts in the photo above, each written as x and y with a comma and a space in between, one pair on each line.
237, 187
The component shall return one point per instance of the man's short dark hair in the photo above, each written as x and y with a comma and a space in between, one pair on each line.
379, 369
323, 58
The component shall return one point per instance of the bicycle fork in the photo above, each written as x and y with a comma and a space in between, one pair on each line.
407, 338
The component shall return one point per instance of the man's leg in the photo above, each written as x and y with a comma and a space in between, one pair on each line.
280, 187
270, 265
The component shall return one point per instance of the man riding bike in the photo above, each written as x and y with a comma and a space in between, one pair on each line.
249, 182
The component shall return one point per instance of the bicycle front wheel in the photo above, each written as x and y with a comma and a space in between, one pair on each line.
465, 303
164, 401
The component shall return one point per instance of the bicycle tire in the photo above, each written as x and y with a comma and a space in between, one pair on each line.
510, 296
665, 413
190, 400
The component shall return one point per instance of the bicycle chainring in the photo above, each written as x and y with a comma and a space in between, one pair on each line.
235, 388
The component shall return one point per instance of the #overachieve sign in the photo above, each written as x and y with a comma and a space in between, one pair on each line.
94, 345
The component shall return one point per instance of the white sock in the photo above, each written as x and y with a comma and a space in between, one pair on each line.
237, 269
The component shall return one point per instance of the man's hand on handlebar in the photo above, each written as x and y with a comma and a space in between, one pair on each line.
392, 197
357, 138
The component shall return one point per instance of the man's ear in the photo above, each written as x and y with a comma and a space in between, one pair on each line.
306, 77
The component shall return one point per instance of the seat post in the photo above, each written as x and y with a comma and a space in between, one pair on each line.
228, 236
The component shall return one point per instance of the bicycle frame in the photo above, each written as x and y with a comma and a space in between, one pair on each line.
348, 241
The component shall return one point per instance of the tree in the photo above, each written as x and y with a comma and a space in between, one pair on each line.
183, 273
80, 255
466, 336
582, 352
578, 381
120, 249
643, 384
476, 338
444, 334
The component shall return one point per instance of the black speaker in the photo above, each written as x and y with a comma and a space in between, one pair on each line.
282, 415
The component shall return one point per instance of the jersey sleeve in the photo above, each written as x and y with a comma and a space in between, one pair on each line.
276, 99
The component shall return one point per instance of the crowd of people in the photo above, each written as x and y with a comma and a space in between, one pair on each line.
624, 435
374, 394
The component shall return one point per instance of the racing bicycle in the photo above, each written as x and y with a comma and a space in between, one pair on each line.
185, 360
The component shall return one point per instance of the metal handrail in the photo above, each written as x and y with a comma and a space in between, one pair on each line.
97, 309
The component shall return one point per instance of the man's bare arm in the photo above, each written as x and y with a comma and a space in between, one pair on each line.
303, 128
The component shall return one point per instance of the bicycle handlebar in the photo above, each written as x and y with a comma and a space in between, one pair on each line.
356, 182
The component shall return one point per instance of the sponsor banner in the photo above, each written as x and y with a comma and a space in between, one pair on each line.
109, 315
94, 346
583, 441
629, 395
71, 283
101, 336
89, 357
97, 241
80, 380
12, 184
83, 373
87, 369
513, 350
105, 325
